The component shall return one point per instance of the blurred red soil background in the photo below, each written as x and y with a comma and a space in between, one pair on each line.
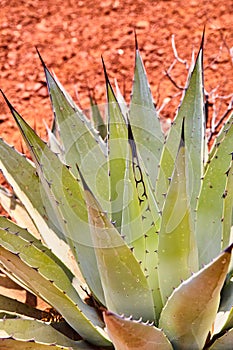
72, 35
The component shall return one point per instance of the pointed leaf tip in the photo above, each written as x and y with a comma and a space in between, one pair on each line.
105, 71
41, 59
229, 249
7, 101
136, 40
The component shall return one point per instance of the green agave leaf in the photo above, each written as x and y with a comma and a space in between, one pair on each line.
9, 306
192, 109
9, 226
228, 208
29, 190
125, 286
65, 195
117, 149
144, 121
190, 311
37, 273
127, 334
97, 118
177, 250
11, 344
121, 101
16, 209
209, 225
223, 343
54, 144
37, 332
82, 143
141, 220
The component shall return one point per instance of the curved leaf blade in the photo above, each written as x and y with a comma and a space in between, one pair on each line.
15, 308
37, 332
29, 190
117, 153
210, 203
127, 334
37, 272
82, 143
125, 286
177, 249
190, 311
141, 219
65, 195
144, 121
16, 210
192, 109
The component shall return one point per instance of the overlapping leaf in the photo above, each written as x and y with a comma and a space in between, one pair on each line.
190, 311
144, 121
141, 219
66, 198
82, 143
38, 271
117, 153
177, 250
192, 109
125, 286
127, 334
209, 225
223, 343
35, 332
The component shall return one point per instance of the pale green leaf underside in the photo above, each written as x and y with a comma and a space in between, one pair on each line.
38, 332
27, 186
133, 335
190, 311
122, 103
14, 207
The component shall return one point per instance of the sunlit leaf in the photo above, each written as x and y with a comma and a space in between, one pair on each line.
190, 311
125, 286
177, 250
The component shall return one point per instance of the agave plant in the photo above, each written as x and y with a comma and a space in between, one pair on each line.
128, 230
